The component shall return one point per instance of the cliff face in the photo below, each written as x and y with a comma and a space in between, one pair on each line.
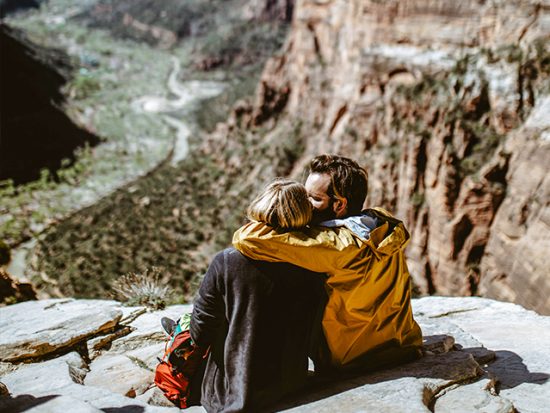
35, 132
447, 105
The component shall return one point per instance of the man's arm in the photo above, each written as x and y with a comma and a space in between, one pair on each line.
208, 313
316, 249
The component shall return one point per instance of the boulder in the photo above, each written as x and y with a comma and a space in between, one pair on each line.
131, 373
35, 329
146, 329
481, 355
49, 385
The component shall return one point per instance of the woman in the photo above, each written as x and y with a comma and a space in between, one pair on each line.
258, 317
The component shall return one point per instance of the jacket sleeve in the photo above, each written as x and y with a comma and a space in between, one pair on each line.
208, 313
316, 249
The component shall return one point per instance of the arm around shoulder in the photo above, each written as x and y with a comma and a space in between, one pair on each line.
316, 249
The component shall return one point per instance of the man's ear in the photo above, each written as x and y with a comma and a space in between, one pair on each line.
340, 206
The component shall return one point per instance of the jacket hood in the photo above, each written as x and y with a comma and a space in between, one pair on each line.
385, 234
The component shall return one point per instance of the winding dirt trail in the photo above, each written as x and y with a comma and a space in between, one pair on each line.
188, 94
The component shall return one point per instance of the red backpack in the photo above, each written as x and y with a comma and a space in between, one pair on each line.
181, 361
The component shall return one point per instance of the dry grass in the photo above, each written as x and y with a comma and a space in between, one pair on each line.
146, 288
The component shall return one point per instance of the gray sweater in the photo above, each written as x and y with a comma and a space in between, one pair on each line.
258, 319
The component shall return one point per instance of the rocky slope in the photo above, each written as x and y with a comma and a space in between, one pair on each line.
140, 116
180, 231
447, 105
236, 30
94, 355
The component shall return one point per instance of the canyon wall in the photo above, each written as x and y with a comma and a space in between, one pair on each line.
447, 105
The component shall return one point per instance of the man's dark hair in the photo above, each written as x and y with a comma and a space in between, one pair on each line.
348, 179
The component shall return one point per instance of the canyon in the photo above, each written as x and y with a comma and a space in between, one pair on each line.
445, 104
99, 355
193, 112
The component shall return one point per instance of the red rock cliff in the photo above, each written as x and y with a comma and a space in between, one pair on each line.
447, 105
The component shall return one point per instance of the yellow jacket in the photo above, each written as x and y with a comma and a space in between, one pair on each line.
368, 318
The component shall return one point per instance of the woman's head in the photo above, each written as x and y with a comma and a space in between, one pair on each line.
283, 204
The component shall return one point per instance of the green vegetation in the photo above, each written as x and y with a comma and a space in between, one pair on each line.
209, 112
84, 85
172, 217
176, 218
487, 142
417, 199
113, 74
458, 101
100, 97
240, 44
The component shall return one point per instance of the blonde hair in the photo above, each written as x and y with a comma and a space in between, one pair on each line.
283, 204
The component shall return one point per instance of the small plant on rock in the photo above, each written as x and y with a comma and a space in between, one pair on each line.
146, 288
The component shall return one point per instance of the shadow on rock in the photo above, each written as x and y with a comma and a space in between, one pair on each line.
448, 363
22, 403
124, 409
510, 371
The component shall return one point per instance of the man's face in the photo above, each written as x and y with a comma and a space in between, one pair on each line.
317, 186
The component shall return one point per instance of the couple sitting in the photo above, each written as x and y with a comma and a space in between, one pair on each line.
308, 254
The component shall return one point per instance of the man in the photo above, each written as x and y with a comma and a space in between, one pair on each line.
368, 319
337, 187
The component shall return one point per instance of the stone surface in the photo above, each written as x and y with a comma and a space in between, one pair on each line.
99, 343
40, 384
407, 388
473, 398
520, 235
520, 339
39, 379
37, 328
46, 404
128, 373
508, 371
154, 397
481, 355
146, 329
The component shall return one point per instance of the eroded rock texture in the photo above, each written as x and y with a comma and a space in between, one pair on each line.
480, 356
447, 105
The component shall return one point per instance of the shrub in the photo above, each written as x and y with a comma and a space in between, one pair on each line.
84, 84
146, 288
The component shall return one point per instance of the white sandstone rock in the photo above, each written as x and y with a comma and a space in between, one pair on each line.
36, 328
129, 373
147, 329
481, 356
